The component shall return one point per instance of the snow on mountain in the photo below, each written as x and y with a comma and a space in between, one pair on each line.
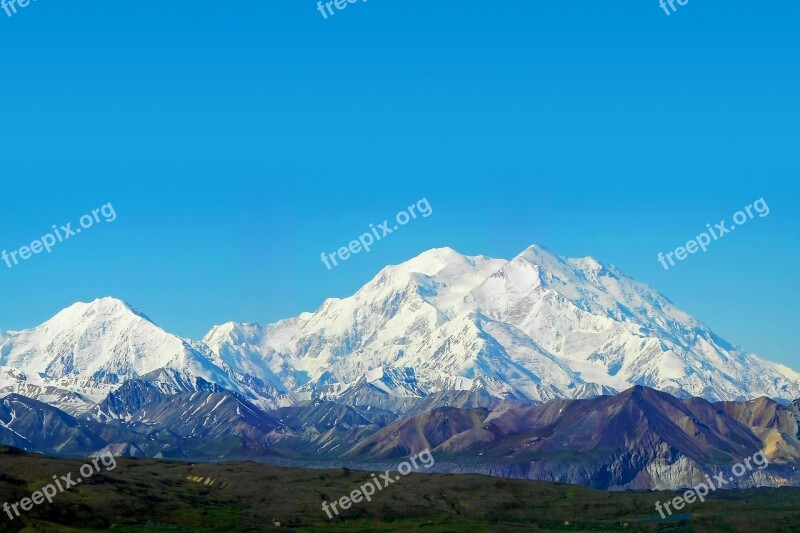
241, 348
536, 327
101, 341
70, 395
87, 350
43, 428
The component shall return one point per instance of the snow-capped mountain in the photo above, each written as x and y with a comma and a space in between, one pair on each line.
536, 327
87, 350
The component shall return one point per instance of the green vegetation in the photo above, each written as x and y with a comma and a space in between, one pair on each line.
154, 496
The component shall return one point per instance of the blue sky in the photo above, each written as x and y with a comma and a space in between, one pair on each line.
238, 141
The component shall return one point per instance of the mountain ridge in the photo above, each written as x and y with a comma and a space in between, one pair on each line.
534, 328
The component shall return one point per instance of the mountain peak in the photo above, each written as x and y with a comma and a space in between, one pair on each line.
104, 308
106, 304
544, 257
541, 256
539, 249
441, 251
233, 331
431, 262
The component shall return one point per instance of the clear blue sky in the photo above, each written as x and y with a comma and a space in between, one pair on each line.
237, 141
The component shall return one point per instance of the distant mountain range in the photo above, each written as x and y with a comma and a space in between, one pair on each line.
536, 328
639, 439
445, 351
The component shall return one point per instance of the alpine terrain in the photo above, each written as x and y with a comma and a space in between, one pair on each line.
535, 328
540, 367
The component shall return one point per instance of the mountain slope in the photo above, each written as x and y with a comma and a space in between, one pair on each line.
639, 439
209, 423
45, 429
776, 425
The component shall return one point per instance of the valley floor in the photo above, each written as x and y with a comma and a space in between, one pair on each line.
149, 495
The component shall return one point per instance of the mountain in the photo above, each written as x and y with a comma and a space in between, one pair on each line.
775, 425
35, 426
412, 435
210, 423
441, 329
87, 350
323, 430
535, 328
638, 439
506, 368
